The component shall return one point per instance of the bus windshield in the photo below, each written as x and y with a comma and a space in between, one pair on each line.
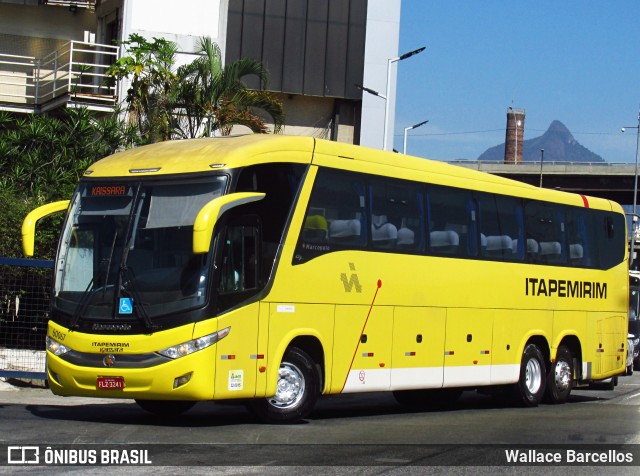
126, 250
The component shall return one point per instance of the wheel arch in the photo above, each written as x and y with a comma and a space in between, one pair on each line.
305, 341
541, 343
572, 343
312, 346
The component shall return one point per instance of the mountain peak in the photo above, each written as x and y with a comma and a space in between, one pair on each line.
559, 131
558, 127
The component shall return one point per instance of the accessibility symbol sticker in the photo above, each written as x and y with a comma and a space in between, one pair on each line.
126, 305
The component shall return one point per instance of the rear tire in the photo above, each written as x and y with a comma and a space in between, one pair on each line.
166, 407
560, 377
530, 388
297, 390
611, 384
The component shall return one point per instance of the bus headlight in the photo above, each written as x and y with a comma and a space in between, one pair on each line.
186, 348
55, 347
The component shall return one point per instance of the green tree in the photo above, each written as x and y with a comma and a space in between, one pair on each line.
212, 97
149, 66
41, 160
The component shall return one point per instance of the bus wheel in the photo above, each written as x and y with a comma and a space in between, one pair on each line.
429, 397
166, 407
531, 386
297, 390
611, 384
560, 377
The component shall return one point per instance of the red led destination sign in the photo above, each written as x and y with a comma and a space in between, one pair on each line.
108, 190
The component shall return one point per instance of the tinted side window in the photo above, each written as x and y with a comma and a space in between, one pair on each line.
612, 243
336, 213
501, 227
396, 215
451, 218
545, 230
582, 237
238, 262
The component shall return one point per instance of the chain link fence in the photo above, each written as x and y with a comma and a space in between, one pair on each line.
25, 294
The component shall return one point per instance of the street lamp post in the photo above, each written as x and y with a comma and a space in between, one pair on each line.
541, 162
635, 173
407, 129
385, 139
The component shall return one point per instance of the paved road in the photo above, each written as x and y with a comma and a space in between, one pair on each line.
352, 433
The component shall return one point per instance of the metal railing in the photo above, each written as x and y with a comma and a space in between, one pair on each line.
25, 293
25, 286
73, 73
537, 163
18, 78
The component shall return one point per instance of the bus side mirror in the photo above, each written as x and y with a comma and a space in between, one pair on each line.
29, 223
210, 213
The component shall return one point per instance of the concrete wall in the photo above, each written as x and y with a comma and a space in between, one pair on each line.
383, 36
182, 22
37, 30
312, 116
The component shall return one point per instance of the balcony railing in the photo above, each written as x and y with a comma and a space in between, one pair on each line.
73, 75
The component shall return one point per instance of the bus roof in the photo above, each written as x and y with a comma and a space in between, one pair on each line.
203, 155
209, 154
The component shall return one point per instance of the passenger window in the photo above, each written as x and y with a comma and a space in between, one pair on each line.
396, 215
336, 212
612, 238
501, 227
580, 237
545, 233
451, 222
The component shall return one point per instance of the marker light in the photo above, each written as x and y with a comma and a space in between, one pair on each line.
144, 171
182, 380
194, 345
56, 348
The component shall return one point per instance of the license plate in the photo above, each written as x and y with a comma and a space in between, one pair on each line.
110, 383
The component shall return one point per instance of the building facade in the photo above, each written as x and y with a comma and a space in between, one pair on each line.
320, 53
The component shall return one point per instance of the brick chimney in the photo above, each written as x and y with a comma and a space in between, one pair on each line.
514, 137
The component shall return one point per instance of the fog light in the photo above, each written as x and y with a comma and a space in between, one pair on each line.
180, 381
54, 377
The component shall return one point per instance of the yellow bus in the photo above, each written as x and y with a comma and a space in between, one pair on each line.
275, 269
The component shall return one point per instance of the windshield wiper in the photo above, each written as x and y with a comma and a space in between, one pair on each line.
138, 306
129, 287
103, 270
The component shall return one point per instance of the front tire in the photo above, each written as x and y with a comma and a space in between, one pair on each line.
297, 390
532, 383
560, 377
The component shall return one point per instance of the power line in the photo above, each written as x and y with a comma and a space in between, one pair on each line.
502, 130
453, 133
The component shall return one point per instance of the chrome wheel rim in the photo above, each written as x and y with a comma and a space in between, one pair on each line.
562, 375
533, 376
290, 388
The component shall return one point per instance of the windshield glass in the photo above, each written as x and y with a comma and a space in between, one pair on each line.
126, 250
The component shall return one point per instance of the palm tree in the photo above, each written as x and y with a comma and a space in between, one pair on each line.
211, 97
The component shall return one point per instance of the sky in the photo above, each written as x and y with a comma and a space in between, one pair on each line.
573, 61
